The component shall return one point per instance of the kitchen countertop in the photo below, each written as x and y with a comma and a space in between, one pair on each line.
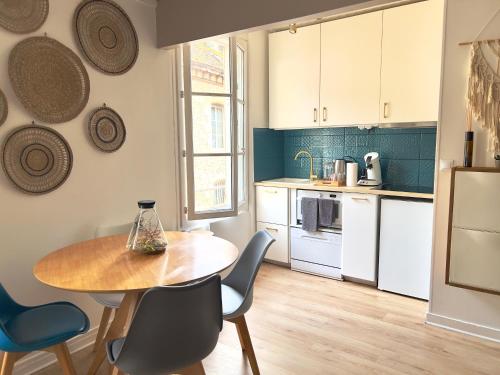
296, 183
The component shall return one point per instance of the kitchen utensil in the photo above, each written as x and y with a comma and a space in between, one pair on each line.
340, 170
328, 171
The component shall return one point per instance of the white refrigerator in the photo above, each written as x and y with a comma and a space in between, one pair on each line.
405, 247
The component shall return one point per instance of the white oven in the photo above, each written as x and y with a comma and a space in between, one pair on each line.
336, 197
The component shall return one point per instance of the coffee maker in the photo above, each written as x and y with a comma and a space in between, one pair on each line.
373, 172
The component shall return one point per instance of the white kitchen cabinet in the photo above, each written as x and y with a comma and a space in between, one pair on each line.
360, 236
278, 251
411, 62
350, 70
272, 205
294, 78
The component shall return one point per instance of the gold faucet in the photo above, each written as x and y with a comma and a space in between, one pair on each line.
312, 176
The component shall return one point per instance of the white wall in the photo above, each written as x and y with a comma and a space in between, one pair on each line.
240, 229
462, 309
103, 188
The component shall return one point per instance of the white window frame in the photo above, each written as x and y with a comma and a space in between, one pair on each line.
185, 111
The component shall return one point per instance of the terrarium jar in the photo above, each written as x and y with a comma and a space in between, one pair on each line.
146, 235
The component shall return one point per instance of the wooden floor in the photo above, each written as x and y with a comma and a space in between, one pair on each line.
302, 324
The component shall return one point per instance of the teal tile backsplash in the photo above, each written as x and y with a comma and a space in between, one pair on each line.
406, 155
268, 153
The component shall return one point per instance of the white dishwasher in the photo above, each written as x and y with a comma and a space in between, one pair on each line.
319, 253
405, 247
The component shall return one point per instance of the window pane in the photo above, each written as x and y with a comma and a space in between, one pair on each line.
212, 183
240, 79
241, 126
210, 66
211, 124
241, 178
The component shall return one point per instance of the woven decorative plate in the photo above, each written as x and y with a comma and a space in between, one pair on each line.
23, 16
106, 129
4, 108
106, 36
49, 79
36, 159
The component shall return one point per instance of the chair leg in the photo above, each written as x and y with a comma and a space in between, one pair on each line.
196, 369
117, 371
103, 326
240, 336
64, 358
9, 359
246, 342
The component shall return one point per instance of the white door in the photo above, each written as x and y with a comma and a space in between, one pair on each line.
411, 62
294, 78
350, 70
405, 247
360, 236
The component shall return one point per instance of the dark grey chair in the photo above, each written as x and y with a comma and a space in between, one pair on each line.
173, 329
237, 290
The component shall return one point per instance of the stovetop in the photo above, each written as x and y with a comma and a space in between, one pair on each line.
406, 188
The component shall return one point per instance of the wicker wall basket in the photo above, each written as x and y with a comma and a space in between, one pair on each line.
4, 108
37, 159
106, 36
49, 79
23, 16
106, 129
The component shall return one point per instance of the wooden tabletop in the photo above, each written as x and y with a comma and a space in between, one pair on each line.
105, 265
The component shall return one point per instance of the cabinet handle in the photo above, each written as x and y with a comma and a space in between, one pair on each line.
315, 114
386, 110
325, 114
360, 199
314, 238
272, 229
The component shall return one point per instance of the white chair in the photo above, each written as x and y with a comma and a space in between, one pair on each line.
110, 301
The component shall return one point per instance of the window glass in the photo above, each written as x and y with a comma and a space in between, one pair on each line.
210, 66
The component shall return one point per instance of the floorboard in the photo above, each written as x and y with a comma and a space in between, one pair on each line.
303, 324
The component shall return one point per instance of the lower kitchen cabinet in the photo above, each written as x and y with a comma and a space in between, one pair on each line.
278, 251
360, 236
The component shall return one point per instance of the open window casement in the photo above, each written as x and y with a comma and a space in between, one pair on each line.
212, 108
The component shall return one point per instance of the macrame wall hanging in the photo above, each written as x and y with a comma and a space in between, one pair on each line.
483, 91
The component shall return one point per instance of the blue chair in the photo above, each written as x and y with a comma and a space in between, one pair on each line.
47, 327
237, 291
173, 330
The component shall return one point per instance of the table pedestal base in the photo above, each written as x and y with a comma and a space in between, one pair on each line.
119, 326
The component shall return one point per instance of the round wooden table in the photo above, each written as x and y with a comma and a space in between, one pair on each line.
105, 265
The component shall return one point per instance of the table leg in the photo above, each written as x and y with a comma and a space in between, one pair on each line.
121, 321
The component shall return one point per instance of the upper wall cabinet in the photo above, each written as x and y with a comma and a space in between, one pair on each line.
350, 70
294, 78
411, 62
380, 67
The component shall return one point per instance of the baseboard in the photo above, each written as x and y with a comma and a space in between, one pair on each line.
456, 325
39, 360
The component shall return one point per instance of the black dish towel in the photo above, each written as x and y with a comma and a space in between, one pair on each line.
309, 207
326, 212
